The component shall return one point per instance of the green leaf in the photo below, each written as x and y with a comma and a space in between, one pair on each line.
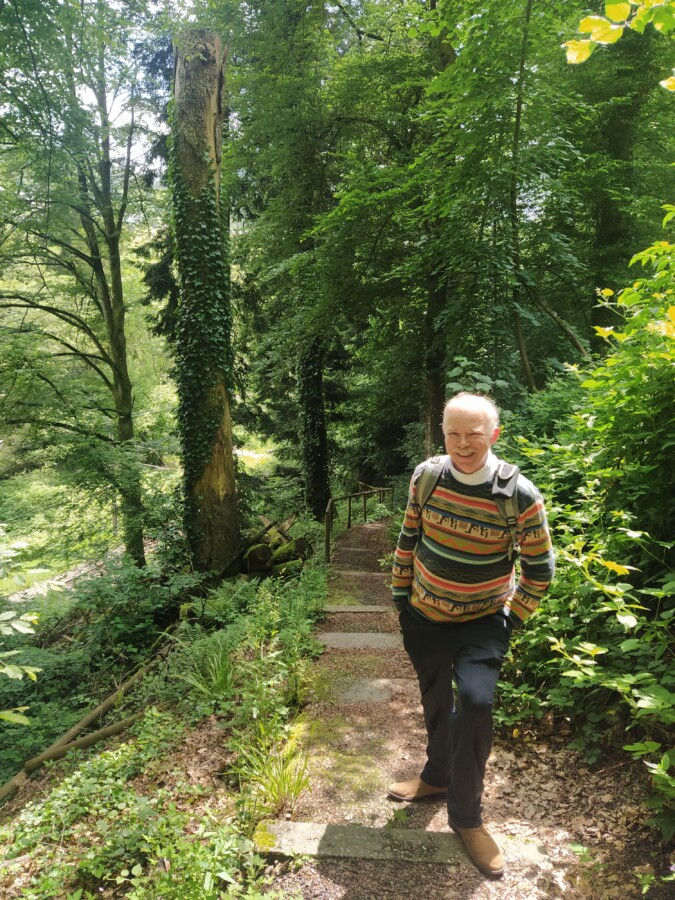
137, 870
664, 20
644, 747
16, 718
630, 644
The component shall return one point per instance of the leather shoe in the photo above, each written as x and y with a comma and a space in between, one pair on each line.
482, 850
415, 789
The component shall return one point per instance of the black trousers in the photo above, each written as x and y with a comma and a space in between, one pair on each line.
459, 726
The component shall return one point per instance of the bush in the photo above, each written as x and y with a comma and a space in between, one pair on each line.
600, 651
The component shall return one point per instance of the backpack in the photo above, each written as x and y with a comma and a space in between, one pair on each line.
504, 493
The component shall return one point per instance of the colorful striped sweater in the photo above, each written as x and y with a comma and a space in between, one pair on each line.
461, 568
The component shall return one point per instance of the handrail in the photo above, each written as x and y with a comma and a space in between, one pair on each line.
330, 508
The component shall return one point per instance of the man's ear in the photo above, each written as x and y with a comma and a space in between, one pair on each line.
495, 435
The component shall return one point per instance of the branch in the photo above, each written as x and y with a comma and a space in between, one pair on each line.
64, 426
536, 294
127, 165
65, 743
359, 31
70, 318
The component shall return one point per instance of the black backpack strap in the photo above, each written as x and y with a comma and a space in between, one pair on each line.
505, 495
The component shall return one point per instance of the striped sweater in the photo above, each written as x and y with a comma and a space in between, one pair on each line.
460, 568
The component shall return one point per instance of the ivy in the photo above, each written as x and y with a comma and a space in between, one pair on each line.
203, 349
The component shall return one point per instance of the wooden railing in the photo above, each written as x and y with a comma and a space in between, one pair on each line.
367, 492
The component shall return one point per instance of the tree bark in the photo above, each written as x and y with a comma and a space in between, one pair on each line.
313, 438
517, 290
203, 338
434, 368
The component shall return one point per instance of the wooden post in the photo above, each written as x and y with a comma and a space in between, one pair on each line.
365, 503
349, 513
327, 521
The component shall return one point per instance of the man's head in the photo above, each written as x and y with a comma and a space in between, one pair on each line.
470, 426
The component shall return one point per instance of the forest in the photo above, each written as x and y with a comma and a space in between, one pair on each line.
247, 251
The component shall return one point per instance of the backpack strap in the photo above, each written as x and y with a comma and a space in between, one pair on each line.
505, 495
431, 472
429, 479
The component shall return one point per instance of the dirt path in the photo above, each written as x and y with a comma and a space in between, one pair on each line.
565, 831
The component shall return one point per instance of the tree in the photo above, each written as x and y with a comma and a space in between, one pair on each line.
203, 345
71, 91
280, 148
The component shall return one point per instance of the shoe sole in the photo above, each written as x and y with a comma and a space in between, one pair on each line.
491, 873
437, 795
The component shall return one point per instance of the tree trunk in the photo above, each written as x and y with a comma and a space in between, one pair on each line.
109, 291
434, 368
203, 347
517, 292
313, 438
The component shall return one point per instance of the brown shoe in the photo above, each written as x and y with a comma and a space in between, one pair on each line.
482, 850
415, 789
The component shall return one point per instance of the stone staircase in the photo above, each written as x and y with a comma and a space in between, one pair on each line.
364, 729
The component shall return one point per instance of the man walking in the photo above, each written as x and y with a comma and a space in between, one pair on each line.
454, 585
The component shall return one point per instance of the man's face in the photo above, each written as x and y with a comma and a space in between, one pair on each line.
468, 437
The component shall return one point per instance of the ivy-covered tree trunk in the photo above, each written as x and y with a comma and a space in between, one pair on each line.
203, 343
313, 439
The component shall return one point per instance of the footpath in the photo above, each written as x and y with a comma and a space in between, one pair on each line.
564, 831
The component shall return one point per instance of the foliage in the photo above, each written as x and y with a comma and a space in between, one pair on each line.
97, 830
608, 29
608, 477
10, 622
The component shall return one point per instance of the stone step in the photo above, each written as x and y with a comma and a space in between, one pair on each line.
369, 690
358, 573
353, 640
357, 608
361, 842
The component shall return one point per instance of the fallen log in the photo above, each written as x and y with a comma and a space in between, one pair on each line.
66, 740
298, 548
59, 751
257, 557
292, 567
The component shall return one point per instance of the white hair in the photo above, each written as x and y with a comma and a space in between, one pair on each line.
477, 402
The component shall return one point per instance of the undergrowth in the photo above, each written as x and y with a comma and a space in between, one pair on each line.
112, 826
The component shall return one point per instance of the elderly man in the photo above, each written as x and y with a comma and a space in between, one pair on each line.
454, 585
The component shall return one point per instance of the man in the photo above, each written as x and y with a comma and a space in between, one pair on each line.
453, 582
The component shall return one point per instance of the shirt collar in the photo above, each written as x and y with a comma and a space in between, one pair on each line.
479, 477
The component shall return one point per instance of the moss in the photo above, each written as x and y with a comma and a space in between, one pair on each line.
265, 840
341, 597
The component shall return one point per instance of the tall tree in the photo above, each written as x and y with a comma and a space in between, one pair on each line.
70, 93
282, 139
203, 343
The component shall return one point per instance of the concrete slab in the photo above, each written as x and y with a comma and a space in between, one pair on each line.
367, 690
353, 573
357, 608
357, 842
360, 842
351, 640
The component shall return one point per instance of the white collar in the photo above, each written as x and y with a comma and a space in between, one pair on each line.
483, 474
